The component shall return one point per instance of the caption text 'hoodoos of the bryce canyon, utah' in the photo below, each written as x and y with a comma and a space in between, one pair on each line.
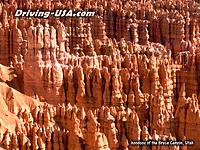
123, 79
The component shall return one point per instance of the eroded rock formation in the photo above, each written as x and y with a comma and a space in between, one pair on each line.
131, 72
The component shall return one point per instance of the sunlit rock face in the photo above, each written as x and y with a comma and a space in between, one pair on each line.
130, 73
